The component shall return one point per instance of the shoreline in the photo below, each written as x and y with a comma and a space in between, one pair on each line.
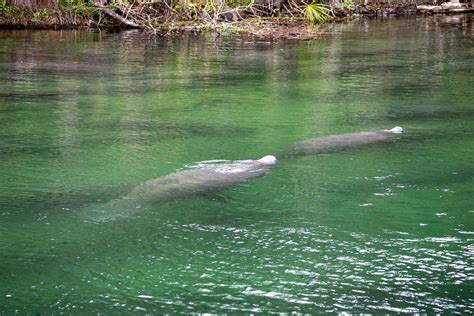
287, 27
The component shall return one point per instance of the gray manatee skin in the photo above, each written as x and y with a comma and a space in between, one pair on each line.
203, 178
333, 143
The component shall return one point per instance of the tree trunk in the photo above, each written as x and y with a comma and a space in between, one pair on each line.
33, 5
271, 5
20, 3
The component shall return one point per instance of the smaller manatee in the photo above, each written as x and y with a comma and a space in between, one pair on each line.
332, 143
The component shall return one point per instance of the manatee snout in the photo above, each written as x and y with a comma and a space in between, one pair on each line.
268, 160
396, 130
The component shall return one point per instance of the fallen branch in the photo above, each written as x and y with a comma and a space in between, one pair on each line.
118, 17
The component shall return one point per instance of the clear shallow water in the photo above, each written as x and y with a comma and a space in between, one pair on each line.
85, 117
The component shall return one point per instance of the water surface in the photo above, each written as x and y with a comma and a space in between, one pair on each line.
85, 117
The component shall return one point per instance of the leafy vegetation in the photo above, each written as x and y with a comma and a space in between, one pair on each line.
43, 13
346, 4
316, 13
10, 10
219, 15
151, 14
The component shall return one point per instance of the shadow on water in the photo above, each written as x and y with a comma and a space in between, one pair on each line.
27, 95
428, 114
149, 133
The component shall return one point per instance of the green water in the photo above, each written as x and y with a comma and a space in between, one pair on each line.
386, 228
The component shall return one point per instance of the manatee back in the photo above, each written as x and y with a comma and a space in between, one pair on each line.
333, 143
195, 181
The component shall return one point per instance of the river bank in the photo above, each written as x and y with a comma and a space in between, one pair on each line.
289, 23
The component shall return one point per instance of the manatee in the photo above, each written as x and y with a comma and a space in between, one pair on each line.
203, 177
339, 142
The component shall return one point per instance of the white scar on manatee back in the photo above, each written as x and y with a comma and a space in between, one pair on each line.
236, 167
202, 177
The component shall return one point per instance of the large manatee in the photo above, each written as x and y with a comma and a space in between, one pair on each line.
202, 177
338, 142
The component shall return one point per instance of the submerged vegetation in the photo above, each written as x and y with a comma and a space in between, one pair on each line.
294, 16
